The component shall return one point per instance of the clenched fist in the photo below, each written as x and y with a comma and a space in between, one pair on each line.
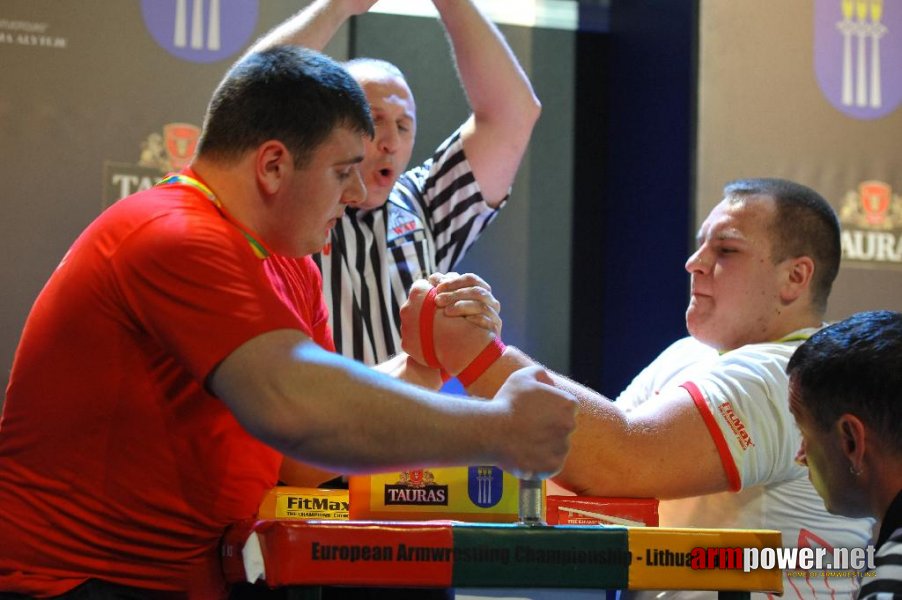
540, 420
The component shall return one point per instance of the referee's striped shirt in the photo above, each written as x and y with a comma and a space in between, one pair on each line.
434, 213
886, 584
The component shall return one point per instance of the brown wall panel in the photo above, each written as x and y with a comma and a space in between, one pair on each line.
770, 105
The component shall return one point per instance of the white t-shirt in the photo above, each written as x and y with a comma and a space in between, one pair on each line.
743, 397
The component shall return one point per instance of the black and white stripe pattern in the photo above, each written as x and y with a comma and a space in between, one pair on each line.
887, 584
434, 213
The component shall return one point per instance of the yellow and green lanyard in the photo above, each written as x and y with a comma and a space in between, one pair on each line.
259, 248
792, 337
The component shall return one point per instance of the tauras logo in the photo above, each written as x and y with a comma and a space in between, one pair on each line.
161, 152
433, 495
871, 216
416, 487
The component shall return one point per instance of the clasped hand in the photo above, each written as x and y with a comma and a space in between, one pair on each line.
465, 321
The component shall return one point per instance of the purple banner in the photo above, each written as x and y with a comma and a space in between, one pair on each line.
201, 31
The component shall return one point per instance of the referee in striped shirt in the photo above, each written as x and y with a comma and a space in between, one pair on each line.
421, 220
418, 221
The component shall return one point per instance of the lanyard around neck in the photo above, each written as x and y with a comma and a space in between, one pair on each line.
797, 336
259, 248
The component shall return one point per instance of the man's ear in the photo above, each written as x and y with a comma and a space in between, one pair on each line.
272, 163
799, 273
853, 438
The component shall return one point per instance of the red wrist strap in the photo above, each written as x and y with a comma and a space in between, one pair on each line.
476, 368
427, 341
482, 362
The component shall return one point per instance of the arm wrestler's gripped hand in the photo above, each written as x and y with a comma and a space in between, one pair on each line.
457, 340
540, 419
468, 296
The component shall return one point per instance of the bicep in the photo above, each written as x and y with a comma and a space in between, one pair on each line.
256, 380
660, 449
494, 157
682, 457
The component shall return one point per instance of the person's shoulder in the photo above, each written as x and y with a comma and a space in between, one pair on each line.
764, 362
690, 349
306, 267
437, 174
885, 582
160, 202
776, 350
449, 153
173, 225
409, 185
676, 362
690, 343
302, 271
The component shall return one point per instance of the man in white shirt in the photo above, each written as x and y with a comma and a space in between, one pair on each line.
706, 427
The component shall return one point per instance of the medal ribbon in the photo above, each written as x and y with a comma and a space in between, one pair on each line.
259, 248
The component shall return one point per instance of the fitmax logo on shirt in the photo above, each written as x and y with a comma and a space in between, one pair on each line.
736, 424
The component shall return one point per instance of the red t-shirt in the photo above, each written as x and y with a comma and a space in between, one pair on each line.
115, 463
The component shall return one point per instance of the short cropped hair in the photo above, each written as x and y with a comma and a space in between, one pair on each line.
854, 366
287, 93
804, 225
358, 66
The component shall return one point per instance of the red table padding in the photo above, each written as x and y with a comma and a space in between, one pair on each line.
319, 552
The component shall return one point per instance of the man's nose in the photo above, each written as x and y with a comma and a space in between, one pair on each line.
697, 262
389, 139
356, 191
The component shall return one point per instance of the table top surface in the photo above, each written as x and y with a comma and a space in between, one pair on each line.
288, 552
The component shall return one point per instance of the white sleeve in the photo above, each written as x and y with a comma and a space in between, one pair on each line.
669, 369
743, 399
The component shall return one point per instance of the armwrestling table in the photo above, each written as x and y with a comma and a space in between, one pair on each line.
305, 555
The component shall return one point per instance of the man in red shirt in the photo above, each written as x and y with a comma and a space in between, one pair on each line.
181, 348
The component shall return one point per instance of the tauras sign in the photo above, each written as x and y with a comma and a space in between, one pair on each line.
871, 218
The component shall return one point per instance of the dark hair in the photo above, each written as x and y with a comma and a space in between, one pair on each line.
287, 93
854, 366
805, 225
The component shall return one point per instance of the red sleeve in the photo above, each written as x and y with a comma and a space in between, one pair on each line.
723, 449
